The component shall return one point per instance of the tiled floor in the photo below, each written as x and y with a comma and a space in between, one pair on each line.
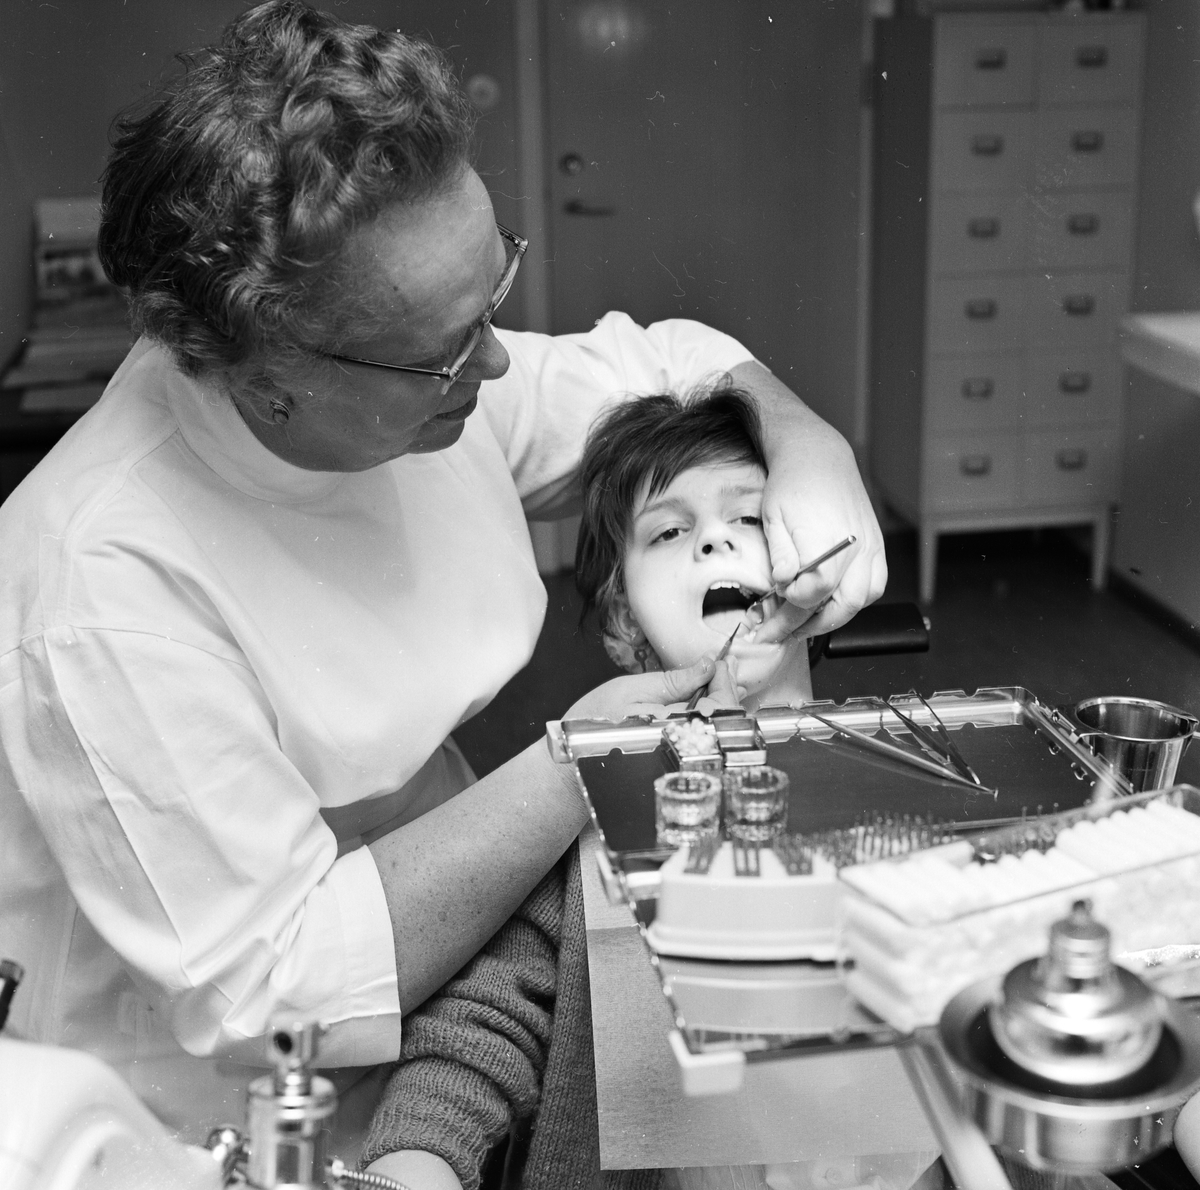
1011, 609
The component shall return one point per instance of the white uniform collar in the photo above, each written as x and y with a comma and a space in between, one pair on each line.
213, 428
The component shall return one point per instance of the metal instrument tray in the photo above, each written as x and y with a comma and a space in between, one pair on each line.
1027, 752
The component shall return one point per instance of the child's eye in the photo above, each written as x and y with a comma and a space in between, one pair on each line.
667, 534
756, 521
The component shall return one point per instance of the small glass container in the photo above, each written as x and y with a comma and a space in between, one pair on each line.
687, 808
756, 802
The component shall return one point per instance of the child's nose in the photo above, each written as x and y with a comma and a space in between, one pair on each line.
715, 538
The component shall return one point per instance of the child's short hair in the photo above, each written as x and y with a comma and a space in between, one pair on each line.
652, 440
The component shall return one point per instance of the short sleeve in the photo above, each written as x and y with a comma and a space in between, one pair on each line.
542, 408
194, 846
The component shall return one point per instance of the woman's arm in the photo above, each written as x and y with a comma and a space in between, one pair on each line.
814, 498
453, 876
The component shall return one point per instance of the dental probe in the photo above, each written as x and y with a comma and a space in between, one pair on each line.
837, 549
845, 543
702, 690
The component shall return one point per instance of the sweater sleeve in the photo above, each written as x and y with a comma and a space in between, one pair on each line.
472, 1056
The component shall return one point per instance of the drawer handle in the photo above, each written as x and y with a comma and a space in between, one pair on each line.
1083, 224
982, 309
1087, 140
1071, 460
1079, 305
983, 228
978, 388
1091, 56
1074, 382
975, 465
991, 58
987, 144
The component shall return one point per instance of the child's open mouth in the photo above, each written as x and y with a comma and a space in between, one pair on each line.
725, 605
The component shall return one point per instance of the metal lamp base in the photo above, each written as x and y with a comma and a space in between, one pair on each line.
1068, 1130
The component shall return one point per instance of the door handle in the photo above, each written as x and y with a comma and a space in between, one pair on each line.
576, 207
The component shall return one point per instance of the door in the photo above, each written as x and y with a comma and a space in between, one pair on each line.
704, 161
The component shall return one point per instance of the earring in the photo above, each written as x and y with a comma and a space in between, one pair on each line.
625, 642
279, 412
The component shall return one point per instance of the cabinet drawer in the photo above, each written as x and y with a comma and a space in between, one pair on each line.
977, 314
973, 393
1085, 147
1072, 388
1070, 467
990, 150
980, 63
971, 472
1090, 62
1082, 230
977, 232
1072, 310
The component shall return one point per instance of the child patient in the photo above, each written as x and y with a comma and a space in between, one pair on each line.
671, 553
671, 550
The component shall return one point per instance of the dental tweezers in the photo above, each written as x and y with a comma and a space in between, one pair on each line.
938, 745
895, 752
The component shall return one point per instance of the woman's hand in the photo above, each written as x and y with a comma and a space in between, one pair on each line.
648, 693
814, 498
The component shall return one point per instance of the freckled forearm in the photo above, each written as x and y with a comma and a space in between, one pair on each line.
455, 875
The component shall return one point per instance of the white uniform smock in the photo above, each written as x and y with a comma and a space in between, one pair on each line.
209, 656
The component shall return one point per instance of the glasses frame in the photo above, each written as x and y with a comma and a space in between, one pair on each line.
449, 376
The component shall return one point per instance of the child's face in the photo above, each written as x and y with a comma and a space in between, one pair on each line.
697, 547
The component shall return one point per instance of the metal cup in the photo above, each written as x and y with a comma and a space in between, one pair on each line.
1143, 740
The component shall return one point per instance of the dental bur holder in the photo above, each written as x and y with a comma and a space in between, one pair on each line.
289, 1113
288, 1119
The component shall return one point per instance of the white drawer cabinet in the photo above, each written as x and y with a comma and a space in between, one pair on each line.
1005, 172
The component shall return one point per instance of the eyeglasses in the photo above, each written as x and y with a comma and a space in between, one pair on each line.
514, 247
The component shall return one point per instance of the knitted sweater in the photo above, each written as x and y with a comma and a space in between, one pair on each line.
509, 1037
